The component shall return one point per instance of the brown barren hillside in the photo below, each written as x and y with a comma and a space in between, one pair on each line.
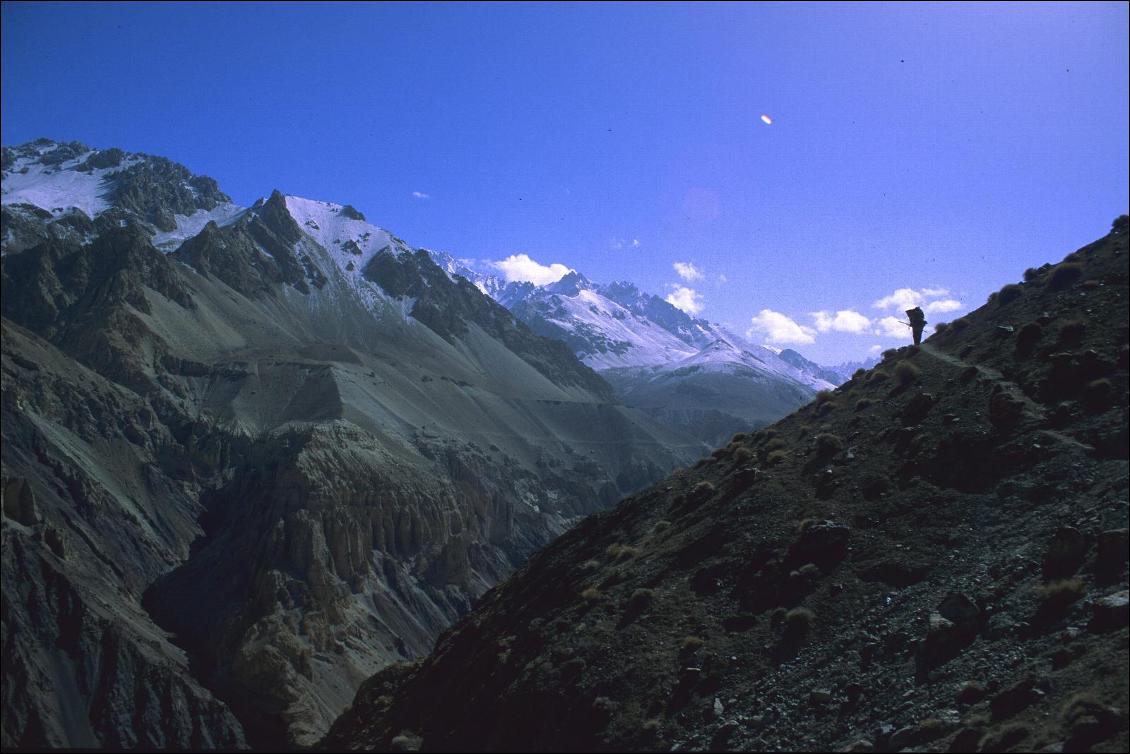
933, 557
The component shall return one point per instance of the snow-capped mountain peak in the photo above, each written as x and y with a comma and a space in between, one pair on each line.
165, 198
342, 231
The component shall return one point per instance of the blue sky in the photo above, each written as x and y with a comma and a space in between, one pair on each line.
920, 147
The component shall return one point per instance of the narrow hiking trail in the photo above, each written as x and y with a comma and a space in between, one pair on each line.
989, 374
1036, 411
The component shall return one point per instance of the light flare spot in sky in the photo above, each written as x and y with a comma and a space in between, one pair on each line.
766, 120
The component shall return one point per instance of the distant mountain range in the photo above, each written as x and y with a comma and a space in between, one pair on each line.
686, 372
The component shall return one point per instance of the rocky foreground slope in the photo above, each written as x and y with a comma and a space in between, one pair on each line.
932, 557
252, 455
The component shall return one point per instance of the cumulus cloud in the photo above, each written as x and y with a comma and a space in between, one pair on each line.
845, 320
891, 327
687, 271
930, 299
521, 267
903, 299
420, 195
875, 349
687, 299
943, 305
635, 243
780, 329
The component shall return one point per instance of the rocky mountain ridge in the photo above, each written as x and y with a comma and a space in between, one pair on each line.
245, 466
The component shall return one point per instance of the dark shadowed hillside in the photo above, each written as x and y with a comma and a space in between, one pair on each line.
932, 557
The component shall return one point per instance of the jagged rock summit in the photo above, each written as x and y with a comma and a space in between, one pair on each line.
933, 557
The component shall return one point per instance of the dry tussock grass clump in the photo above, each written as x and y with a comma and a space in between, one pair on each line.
1009, 293
692, 644
776, 457
743, 454
617, 551
1064, 275
798, 623
906, 373
828, 444
1071, 332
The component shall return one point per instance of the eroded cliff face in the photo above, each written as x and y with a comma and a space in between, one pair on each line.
90, 519
238, 479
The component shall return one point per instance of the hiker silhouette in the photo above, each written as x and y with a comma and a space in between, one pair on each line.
917, 322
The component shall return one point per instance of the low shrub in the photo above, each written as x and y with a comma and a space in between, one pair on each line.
701, 492
1097, 395
907, 373
640, 599
776, 457
1057, 598
798, 623
1071, 332
1028, 336
617, 551
828, 444
1009, 293
775, 444
691, 644
1064, 276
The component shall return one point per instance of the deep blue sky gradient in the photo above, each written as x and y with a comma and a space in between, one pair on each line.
913, 145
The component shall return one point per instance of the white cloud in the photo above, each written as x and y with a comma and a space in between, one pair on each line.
420, 195
944, 305
875, 349
722, 280
687, 299
908, 298
635, 243
891, 327
780, 329
687, 271
845, 320
903, 299
521, 267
